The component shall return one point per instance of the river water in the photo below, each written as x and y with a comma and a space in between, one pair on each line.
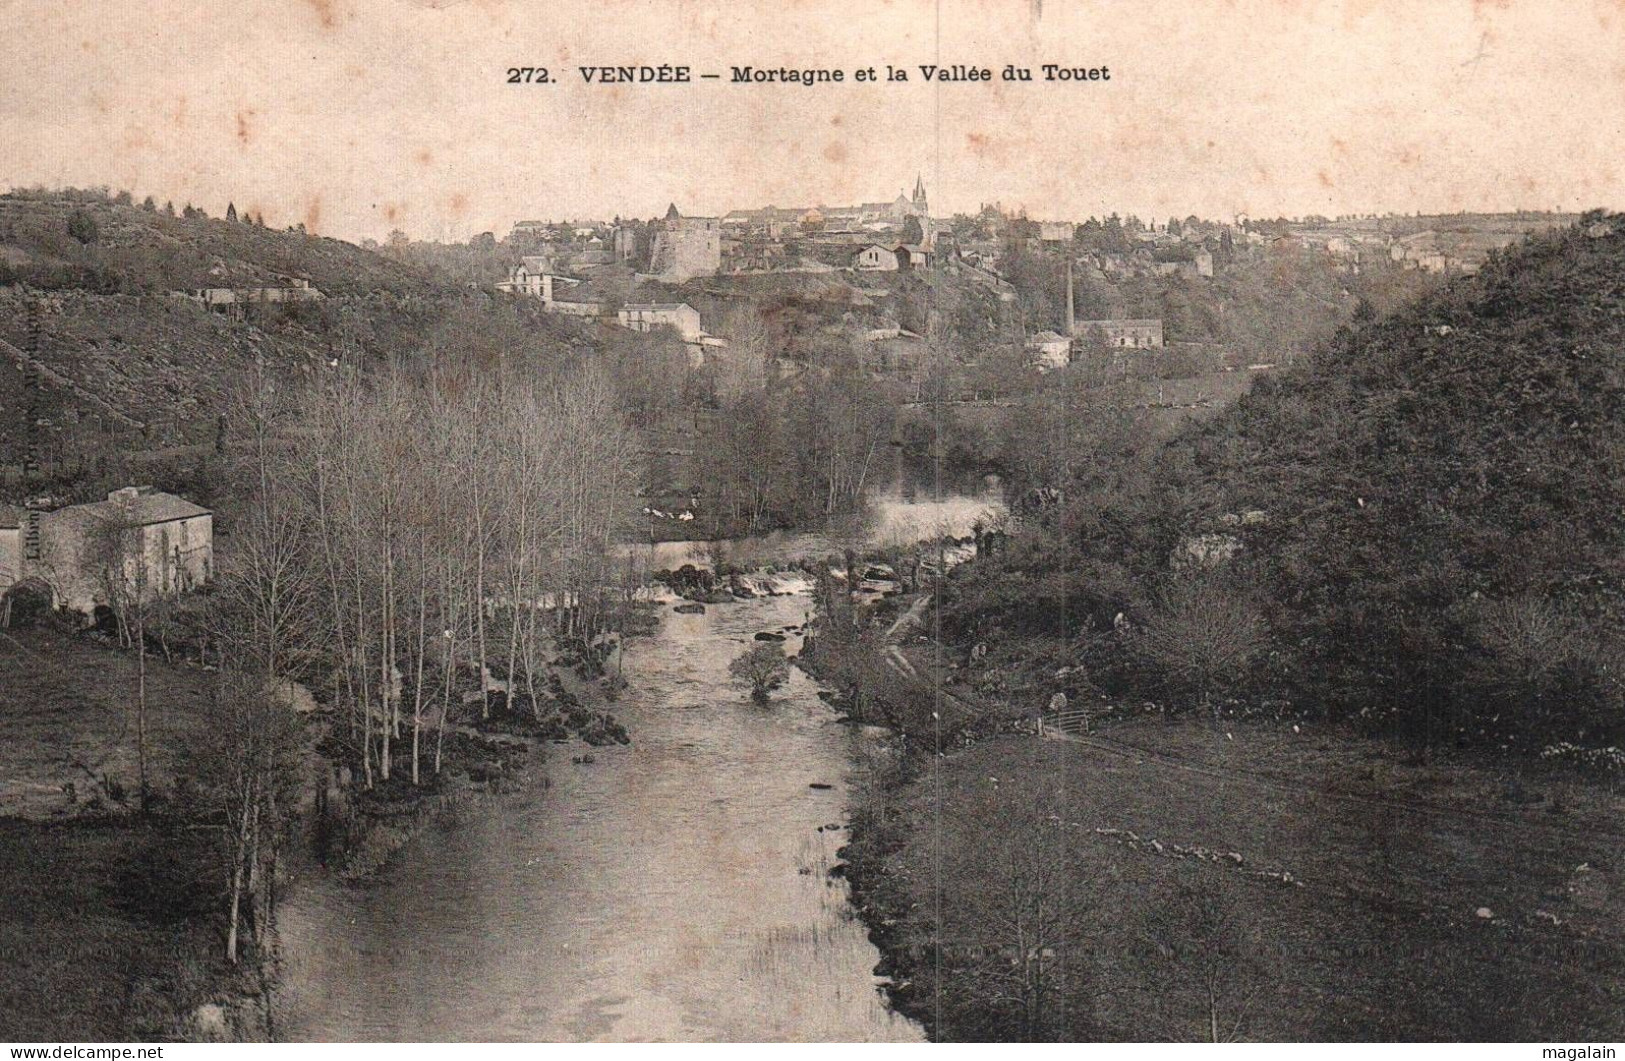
676, 888
891, 521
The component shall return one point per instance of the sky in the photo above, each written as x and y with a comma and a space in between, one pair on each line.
356, 117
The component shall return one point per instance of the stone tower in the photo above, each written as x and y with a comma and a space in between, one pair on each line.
685, 247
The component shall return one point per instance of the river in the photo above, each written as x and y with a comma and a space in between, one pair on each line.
891, 521
677, 888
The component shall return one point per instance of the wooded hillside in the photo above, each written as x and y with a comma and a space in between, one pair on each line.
1418, 531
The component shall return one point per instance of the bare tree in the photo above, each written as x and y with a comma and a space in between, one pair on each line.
1019, 913
115, 550
246, 769
1202, 637
1212, 962
401, 517
265, 596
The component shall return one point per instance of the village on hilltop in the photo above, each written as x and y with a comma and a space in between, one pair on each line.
583, 268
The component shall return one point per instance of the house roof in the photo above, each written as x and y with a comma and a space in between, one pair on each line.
143, 509
1045, 337
658, 306
771, 213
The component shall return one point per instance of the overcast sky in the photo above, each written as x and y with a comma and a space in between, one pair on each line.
358, 116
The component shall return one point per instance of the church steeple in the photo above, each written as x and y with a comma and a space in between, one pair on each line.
919, 192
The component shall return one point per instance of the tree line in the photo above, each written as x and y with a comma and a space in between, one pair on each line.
398, 542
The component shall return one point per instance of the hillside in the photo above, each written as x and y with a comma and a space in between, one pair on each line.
127, 249
1336, 673
1431, 541
1444, 491
124, 364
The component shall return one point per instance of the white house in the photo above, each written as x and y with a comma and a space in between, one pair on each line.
876, 257
647, 316
1050, 349
535, 276
295, 289
575, 309
1136, 333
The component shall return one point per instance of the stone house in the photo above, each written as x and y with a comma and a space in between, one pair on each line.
647, 316
533, 276
1050, 349
913, 256
138, 541
1133, 334
228, 299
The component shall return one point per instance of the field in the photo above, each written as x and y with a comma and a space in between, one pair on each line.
68, 718
1365, 896
100, 934
103, 926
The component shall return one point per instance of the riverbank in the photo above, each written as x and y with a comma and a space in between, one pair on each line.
107, 938
134, 949
485, 747
1324, 886
112, 919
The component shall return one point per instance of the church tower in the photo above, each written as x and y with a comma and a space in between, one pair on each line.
919, 197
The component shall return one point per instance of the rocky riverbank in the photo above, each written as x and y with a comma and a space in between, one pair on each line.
876, 831
486, 741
